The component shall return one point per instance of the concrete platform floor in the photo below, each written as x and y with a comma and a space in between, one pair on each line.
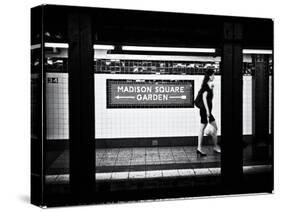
153, 158
150, 162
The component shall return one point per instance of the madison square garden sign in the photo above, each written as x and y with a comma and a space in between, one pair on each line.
150, 93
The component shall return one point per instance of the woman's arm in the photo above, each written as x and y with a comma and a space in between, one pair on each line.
204, 96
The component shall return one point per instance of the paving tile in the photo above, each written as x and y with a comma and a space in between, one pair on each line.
149, 162
99, 154
62, 179
136, 174
167, 161
198, 159
119, 175
138, 151
107, 163
178, 152
181, 157
122, 163
123, 158
186, 172
191, 154
151, 149
100, 151
138, 156
202, 171
215, 171
51, 179
111, 160
112, 152
134, 163
213, 160
125, 151
184, 160
138, 159
170, 173
177, 148
103, 176
166, 157
189, 148
98, 162
153, 162
164, 151
153, 174
107, 155
122, 153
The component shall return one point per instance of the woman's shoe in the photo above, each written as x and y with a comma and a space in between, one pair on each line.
201, 154
217, 150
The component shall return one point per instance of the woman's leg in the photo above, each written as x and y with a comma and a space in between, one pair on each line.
215, 138
200, 136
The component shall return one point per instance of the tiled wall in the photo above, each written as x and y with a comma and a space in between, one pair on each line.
128, 123
247, 105
57, 105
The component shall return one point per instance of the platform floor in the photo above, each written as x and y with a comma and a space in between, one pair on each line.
153, 158
150, 162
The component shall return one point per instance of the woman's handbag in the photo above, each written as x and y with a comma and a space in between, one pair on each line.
198, 102
209, 129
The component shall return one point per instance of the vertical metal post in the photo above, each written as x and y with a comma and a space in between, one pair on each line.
231, 108
81, 107
261, 107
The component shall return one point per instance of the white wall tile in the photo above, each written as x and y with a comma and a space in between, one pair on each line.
57, 106
141, 122
247, 105
149, 122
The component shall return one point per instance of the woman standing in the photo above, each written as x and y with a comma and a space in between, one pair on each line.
206, 95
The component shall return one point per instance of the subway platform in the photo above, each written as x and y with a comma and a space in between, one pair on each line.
115, 164
130, 174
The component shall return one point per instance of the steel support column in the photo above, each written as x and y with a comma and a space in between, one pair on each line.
231, 108
261, 107
81, 107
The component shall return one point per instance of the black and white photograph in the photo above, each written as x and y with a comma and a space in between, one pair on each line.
139, 106
142, 105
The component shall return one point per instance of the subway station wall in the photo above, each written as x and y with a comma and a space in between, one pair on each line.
139, 122
57, 106
149, 122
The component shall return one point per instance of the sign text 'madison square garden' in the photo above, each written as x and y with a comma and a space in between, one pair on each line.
149, 93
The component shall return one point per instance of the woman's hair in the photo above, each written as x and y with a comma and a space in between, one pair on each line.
206, 79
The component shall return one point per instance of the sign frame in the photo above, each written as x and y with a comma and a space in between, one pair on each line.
109, 105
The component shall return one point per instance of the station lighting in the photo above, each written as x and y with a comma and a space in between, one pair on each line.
168, 49
104, 47
145, 48
35, 46
257, 51
56, 45
65, 45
